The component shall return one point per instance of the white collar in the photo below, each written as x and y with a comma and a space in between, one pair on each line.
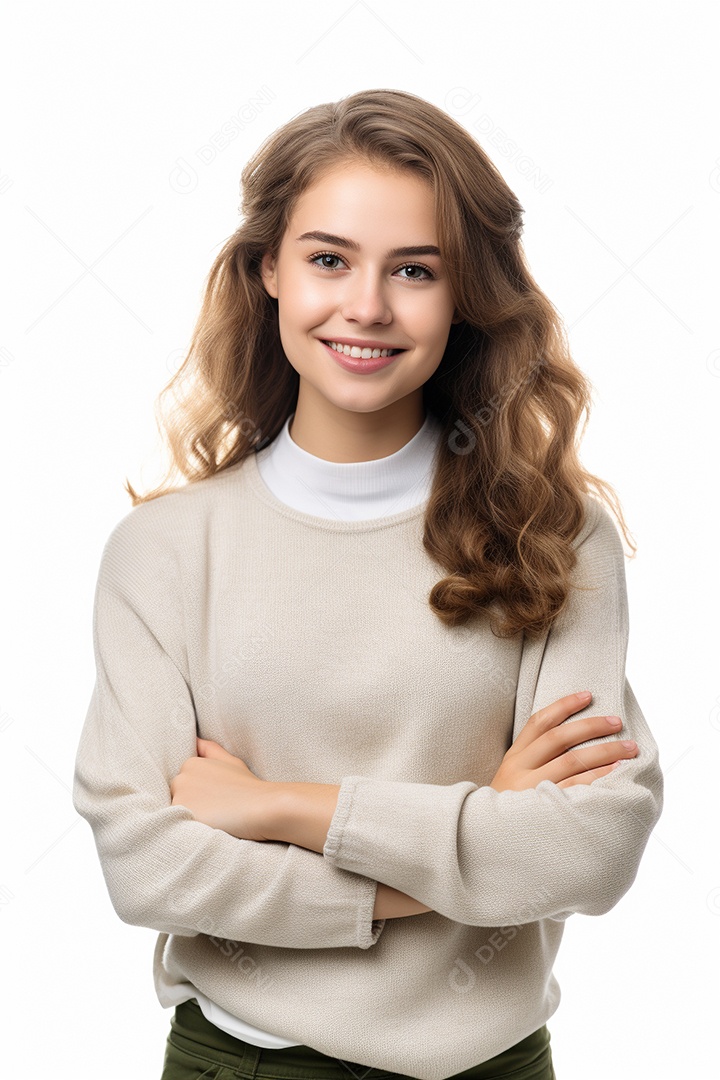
355, 490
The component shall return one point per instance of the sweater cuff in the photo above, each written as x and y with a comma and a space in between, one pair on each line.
333, 840
368, 929
381, 828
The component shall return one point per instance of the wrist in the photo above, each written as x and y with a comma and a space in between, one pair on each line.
275, 810
392, 904
300, 814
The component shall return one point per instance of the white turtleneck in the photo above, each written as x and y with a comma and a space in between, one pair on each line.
355, 490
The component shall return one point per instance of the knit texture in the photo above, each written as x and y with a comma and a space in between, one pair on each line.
343, 491
307, 647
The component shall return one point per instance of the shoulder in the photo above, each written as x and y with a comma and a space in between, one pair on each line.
153, 539
598, 524
598, 545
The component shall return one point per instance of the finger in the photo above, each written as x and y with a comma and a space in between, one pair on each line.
545, 719
562, 741
589, 776
210, 749
578, 762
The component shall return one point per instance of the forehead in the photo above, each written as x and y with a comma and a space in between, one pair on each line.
365, 198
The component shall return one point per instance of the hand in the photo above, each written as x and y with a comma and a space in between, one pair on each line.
221, 791
538, 753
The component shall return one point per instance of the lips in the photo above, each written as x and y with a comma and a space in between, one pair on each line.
358, 364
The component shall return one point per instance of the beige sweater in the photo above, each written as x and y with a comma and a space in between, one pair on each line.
306, 647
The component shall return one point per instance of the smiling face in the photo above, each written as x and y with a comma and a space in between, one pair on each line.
353, 284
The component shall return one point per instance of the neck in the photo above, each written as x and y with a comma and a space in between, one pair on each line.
342, 436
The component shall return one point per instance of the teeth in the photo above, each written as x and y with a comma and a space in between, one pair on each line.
356, 351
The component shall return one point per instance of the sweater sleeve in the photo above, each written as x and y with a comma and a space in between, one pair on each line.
163, 869
488, 858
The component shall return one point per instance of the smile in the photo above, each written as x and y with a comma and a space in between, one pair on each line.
359, 353
361, 361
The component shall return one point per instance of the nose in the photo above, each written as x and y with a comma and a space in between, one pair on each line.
365, 301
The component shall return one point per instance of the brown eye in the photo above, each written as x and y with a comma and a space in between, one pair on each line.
324, 255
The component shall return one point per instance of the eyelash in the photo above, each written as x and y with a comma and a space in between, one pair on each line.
332, 269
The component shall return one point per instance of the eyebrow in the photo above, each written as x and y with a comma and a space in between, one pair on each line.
352, 245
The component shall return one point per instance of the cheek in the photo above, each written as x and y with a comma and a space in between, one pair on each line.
429, 328
426, 317
303, 305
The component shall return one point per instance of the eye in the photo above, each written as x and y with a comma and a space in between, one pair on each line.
313, 260
324, 255
418, 266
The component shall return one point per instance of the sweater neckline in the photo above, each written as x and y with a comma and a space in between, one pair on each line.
265, 495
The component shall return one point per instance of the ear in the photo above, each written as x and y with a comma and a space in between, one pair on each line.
268, 274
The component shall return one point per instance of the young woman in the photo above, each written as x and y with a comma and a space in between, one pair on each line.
338, 751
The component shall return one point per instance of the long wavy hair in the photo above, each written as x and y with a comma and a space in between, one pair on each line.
507, 497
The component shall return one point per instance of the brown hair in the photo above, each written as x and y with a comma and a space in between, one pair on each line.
508, 491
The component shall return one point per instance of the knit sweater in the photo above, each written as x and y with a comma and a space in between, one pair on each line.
305, 645
343, 491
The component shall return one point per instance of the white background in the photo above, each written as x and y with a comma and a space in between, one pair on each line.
117, 190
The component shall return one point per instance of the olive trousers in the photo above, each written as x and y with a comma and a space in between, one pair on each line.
198, 1050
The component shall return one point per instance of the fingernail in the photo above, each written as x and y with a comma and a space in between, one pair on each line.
629, 744
613, 721
583, 694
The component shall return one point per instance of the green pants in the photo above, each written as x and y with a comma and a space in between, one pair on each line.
198, 1050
